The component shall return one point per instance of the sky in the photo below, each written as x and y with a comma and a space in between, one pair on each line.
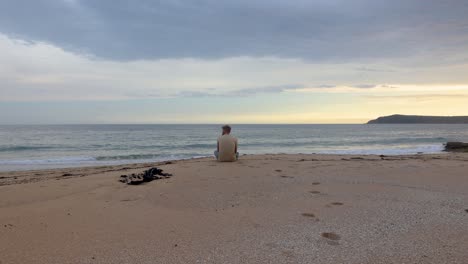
216, 61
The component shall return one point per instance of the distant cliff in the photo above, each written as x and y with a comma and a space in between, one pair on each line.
414, 119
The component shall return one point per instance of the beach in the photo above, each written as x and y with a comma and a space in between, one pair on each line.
262, 209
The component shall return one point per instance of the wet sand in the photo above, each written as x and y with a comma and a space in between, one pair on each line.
261, 209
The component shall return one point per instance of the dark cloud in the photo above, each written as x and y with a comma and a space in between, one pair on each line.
337, 30
261, 90
241, 92
388, 86
364, 86
213, 92
326, 86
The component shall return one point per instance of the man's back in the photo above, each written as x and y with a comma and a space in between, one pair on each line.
227, 148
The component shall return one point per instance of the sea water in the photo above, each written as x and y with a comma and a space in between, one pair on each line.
52, 146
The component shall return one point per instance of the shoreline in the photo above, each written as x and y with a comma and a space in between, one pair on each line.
55, 162
34, 175
282, 208
25, 176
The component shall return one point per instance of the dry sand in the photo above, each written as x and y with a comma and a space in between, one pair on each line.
261, 209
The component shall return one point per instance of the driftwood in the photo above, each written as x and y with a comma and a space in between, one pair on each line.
456, 147
146, 176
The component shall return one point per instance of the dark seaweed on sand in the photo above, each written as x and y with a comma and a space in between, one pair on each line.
146, 176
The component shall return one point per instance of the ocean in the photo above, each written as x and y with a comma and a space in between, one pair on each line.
24, 147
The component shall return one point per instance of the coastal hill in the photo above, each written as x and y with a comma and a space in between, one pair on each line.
415, 119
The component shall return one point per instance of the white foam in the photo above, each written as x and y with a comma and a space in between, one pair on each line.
426, 149
27, 164
63, 160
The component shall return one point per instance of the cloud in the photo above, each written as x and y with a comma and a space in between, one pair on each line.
326, 86
388, 86
263, 90
318, 31
365, 86
41, 71
244, 92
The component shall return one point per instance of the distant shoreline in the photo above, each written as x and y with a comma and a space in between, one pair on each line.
416, 119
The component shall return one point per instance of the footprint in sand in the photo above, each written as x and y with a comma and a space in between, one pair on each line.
315, 183
287, 253
130, 200
284, 176
311, 215
331, 236
278, 170
308, 214
337, 203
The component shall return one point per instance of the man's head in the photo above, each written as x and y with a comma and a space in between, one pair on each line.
226, 129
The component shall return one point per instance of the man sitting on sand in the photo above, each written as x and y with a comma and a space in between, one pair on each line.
227, 146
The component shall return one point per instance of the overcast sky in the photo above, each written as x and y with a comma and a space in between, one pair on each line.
264, 61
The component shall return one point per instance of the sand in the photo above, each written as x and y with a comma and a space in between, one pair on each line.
261, 209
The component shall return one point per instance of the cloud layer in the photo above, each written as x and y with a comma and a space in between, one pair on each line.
39, 71
320, 30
